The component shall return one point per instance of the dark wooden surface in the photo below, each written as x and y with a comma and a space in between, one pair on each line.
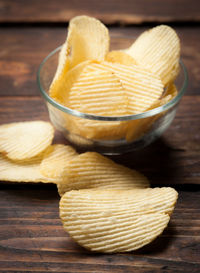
110, 12
31, 234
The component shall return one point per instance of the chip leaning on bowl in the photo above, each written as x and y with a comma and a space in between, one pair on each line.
113, 101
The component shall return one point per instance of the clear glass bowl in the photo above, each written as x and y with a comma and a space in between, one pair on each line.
107, 135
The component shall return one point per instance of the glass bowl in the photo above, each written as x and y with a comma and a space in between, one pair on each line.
107, 135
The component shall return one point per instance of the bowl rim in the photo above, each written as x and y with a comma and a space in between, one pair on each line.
142, 115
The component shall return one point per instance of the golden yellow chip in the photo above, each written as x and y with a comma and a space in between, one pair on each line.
24, 140
88, 39
172, 91
63, 65
119, 57
28, 171
97, 130
100, 93
137, 128
141, 87
55, 159
60, 88
118, 220
92, 170
158, 49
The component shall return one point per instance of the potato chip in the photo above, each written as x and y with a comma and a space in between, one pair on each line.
98, 92
24, 140
60, 88
88, 39
120, 57
28, 171
97, 130
62, 67
118, 220
55, 159
137, 128
92, 170
171, 91
158, 49
141, 87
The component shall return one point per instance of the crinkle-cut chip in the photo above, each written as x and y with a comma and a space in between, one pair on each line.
116, 220
92, 170
98, 130
119, 57
88, 39
158, 49
60, 89
142, 87
62, 67
20, 171
99, 93
137, 128
24, 140
55, 159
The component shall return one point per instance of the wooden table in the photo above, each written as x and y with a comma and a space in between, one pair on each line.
31, 234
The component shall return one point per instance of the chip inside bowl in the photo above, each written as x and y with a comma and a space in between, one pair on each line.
87, 39
100, 93
158, 49
120, 57
142, 88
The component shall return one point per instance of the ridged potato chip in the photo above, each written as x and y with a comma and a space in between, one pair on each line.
99, 93
141, 87
55, 159
120, 57
24, 140
28, 171
60, 88
92, 170
97, 130
137, 128
63, 65
88, 39
158, 49
118, 220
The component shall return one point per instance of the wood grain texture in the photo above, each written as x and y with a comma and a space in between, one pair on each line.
32, 237
110, 12
173, 159
22, 50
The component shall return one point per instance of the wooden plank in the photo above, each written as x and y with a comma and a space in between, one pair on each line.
110, 12
173, 159
22, 50
32, 237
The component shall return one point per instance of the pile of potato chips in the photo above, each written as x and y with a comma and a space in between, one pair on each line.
94, 80
104, 206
